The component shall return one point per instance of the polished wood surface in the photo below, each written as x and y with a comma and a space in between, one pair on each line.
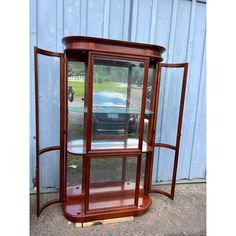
85, 43
106, 200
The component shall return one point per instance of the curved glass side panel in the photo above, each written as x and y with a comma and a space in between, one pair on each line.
169, 105
48, 101
76, 107
49, 181
49, 72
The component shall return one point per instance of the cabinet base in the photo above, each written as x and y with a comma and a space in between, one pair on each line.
105, 205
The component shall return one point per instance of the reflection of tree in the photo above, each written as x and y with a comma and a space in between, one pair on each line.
104, 73
76, 68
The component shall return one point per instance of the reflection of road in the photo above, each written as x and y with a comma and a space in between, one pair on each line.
136, 97
76, 119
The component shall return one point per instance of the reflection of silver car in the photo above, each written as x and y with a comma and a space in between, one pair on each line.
109, 113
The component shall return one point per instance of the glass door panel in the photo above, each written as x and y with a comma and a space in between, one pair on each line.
169, 104
115, 185
76, 107
48, 100
116, 105
149, 104
49, 72
49, 174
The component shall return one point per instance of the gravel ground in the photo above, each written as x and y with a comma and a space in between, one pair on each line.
186, 215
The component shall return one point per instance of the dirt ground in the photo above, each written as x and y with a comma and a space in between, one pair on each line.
186, 215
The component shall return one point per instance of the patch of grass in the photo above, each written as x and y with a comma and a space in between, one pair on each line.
108, 87
97, 87
78, 88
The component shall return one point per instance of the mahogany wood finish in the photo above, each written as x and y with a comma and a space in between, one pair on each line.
84, 43
97, 201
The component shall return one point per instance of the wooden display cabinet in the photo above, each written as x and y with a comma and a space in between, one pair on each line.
102, 121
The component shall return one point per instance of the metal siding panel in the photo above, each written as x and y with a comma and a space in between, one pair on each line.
95, 17
144, 14
106, 18
84, 17
182, 31
117, 17
33, 16
125, 35
60, 25
198, 164
33, 42
47, 24
192, 93
164, 23
153, 22
198, 156
170, 46
72, 14
134, 19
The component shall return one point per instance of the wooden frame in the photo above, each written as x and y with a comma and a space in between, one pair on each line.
178, 134
76, 201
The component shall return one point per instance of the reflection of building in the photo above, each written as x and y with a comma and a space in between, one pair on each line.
77, 78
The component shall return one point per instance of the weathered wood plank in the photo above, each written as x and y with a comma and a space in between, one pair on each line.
103, 222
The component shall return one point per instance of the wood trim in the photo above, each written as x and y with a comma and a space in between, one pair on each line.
92, 40
143, 104
178, 135
62, 127
37, 130
49, 149
153, 127
114, 153
49, 53
164, 145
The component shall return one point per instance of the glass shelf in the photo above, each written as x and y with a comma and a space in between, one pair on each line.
107, 110
77, 146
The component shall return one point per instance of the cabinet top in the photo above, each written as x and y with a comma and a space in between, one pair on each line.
86, 43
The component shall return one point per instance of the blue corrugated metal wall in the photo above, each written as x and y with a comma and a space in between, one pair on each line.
178, 25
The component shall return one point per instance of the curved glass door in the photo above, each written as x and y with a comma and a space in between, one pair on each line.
168, 123
49, 71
